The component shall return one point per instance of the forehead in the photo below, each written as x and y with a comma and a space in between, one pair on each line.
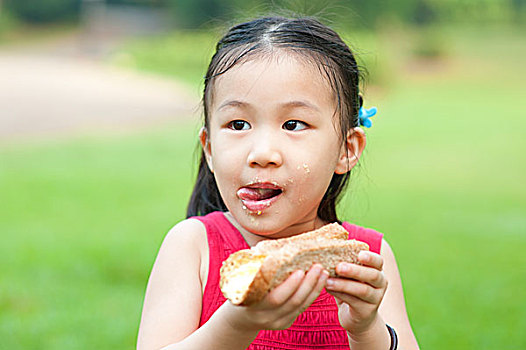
275, 78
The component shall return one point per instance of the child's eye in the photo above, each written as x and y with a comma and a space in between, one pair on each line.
238, 125
294, 125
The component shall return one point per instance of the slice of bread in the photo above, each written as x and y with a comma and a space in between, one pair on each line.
249, 274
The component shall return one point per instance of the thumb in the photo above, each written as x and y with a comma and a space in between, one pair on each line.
339, 302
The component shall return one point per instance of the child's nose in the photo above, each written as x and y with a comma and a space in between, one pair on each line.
265, 152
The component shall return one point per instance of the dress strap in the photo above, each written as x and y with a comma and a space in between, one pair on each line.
372, 237
223, 239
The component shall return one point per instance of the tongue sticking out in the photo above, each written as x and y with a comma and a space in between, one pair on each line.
257, 194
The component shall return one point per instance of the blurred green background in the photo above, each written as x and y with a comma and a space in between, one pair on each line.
82, 217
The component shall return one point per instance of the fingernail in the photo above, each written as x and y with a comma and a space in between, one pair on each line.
317, 268
299, 273
343, 267
325, 274
362, 256
330, 282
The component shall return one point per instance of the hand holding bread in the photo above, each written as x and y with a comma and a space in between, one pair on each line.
355, 278
249, 274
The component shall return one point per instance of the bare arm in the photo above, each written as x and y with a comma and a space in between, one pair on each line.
218, 334
172, 305
369, 296
392, 309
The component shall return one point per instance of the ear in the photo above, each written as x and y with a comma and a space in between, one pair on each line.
205, 144
351, 151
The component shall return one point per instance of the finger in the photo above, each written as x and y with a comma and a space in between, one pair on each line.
356, 289
371, 259
321, 282
309, 286
287, 289
299, 305
340, 298
369, 275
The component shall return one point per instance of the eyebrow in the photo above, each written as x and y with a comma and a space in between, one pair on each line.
289, 104
299, 104
233, 103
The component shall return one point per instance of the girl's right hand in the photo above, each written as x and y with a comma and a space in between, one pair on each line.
280, 308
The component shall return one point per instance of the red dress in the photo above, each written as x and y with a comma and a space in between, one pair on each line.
316, 328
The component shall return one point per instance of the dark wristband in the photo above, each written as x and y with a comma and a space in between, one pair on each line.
394, 338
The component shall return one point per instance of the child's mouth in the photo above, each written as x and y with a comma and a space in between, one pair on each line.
260, 196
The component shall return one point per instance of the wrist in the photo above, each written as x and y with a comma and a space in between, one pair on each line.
394, 337
376, 336
235, 317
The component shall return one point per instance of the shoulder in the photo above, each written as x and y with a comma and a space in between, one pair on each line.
189, 232
182, 250
174, 291
185, 242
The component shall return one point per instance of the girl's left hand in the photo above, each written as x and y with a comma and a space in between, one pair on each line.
359, 290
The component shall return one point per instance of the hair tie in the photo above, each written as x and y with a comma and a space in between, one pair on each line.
364, 114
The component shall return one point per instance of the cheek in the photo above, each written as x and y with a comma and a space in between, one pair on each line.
224, 152
313, 175
317, 161
227, 164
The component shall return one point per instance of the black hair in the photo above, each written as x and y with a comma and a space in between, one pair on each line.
308, 38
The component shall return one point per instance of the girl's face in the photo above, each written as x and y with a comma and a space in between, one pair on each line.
273, 144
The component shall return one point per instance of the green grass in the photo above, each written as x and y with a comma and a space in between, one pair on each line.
81, 223
443, 177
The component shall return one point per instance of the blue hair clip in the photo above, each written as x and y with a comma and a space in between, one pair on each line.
364, 115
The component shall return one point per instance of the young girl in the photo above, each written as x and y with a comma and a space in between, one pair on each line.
281, 134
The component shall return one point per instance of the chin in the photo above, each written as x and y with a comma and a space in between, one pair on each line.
258, 224
269, 225
261, 225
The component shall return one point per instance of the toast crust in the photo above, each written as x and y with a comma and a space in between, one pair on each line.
249, 274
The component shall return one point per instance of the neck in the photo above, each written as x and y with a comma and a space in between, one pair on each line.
252, 239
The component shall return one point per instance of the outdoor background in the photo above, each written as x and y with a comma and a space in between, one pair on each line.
99, 111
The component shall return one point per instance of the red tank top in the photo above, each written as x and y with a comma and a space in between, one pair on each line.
316, 328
